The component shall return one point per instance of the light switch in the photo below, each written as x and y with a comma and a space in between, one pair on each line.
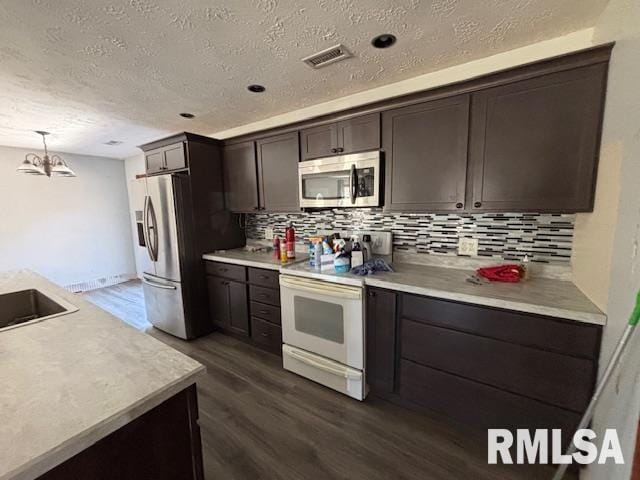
468, 246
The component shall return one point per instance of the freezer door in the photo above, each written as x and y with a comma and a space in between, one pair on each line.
161, 228
163, 299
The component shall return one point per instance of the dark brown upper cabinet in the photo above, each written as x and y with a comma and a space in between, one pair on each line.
425, 149
348, 136
262, 175
166, 159
534, 143
240, 177
278, 172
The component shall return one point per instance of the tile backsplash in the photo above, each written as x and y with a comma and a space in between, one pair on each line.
508, 236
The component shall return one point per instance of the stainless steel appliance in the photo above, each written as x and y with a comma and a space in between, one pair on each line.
352, 180
183, 216
161, 278
323, 333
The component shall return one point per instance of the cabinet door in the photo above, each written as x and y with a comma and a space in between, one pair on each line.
381, 339
238, 308
278, 172
218, 301
534, 143
319, 141
359, 134
174, 157
426, 155
240, 177
155, 161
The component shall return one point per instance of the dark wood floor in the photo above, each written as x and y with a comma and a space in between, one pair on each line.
259, 421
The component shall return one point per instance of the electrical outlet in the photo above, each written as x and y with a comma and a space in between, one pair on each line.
268, 233
468, 246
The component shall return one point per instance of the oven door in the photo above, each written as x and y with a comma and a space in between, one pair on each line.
323, 318
344, 181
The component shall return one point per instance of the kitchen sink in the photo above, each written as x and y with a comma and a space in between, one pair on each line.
28, 306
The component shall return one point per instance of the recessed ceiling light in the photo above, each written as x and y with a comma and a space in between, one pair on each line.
113, 143
383, 41
187, 115
256, 88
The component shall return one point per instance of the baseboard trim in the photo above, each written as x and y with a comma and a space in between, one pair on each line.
100, 282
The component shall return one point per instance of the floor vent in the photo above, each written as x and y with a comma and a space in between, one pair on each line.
99, 283
325, 57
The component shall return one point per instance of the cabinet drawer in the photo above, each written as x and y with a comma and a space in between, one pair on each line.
561, 336
226, 270
264, 278
270, 313
266, 334
477, 404
264, 295
550, 377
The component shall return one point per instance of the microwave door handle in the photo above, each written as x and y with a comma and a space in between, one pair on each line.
353, 184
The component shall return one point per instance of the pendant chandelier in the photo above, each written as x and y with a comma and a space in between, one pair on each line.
45, 165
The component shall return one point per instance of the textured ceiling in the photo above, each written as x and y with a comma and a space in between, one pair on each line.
92, 71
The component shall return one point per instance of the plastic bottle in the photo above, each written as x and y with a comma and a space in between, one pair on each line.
276, 247
317, 253
366, 247
357, 256
290, 237
283, 252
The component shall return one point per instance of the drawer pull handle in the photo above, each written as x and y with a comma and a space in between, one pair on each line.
263, 295
264, 312
264, 334
263, 277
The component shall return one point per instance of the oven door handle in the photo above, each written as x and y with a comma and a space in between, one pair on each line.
319, 365
320, 288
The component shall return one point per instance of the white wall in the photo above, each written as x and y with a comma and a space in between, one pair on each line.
70, 230
621, 138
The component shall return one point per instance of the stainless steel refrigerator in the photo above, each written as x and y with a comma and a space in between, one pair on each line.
183, 216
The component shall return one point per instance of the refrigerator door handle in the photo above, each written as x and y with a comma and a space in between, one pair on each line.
145, 227
157, 285
152, 230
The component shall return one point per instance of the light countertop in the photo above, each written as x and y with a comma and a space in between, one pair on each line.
71, 380
542, 296
240, 256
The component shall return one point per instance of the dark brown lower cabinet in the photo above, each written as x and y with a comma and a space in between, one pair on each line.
228, 304
486, 367
162, 444
245, 302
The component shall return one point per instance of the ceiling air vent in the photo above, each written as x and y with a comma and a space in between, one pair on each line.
325, 57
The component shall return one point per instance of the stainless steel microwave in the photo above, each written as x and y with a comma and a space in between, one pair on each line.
351, 180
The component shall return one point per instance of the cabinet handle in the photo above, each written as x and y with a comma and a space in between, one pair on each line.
334, 150
340, 149
264, 312
256, 208
477, 204
264, 334
263, 295
371, 294
263, 277
459, 205
223, 270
